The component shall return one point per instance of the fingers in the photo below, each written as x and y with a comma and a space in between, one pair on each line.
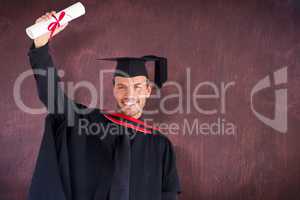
59, 29
46, 16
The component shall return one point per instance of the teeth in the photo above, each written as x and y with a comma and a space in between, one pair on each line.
129, 103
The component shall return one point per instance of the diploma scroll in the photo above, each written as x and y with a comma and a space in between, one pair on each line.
72, 12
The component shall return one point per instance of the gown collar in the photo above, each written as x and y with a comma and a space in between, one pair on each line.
130, 122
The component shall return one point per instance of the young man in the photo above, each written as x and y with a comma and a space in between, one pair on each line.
76, 165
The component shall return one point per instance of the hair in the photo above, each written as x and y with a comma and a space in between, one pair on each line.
147, 81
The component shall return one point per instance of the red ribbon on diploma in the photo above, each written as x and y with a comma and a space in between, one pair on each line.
52, 26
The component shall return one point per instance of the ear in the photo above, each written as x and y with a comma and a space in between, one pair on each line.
149, 90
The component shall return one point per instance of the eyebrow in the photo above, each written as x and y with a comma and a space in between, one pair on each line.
136, 84
121, 84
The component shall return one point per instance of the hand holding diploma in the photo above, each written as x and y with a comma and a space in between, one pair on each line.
43, 39
52, 23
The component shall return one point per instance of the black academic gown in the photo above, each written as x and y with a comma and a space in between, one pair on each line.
79, 162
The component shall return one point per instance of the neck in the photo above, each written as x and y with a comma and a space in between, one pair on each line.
136, 116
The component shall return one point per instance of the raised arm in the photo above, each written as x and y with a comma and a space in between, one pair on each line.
46, 76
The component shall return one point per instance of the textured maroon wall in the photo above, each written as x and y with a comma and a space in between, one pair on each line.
240, 41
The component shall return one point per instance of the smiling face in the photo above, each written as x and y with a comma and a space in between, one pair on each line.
131, 94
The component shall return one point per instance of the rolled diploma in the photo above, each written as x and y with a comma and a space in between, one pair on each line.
72, 12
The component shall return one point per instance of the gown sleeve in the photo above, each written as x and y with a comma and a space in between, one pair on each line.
170, 185
47, 81
46, 181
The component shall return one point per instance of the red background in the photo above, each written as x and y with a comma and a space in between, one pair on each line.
220, 40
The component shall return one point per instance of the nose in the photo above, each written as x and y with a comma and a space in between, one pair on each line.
130, 93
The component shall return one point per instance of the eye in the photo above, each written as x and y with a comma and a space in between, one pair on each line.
120, 87
138, 86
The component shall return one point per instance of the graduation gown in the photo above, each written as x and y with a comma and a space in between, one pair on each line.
79, 163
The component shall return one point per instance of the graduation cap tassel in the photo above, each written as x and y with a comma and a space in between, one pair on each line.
161, 72
161, 69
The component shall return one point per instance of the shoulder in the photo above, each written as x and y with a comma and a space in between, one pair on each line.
54, 119
160, 135
92, 114
80, 111
163, 140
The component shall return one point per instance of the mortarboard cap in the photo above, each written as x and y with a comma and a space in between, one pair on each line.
133, 66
